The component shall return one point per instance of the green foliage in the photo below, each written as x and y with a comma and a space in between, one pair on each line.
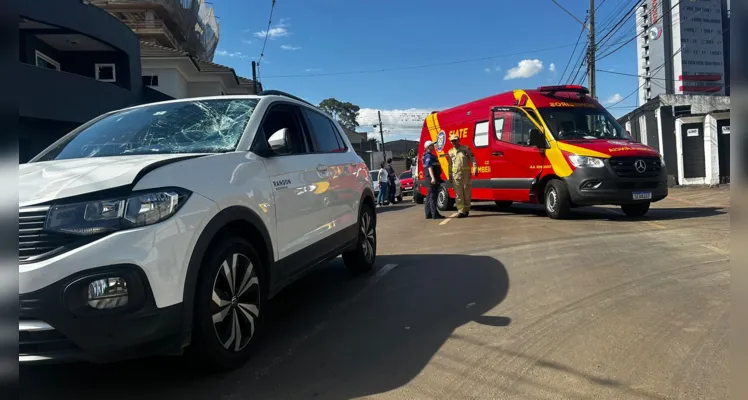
343, 112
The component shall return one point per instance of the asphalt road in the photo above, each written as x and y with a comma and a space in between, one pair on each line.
501, 305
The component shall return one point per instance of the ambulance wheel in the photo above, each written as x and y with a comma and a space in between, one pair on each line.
635, 210
503, 204
557, 200
443, 202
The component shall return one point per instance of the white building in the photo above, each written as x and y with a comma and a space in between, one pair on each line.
179, 75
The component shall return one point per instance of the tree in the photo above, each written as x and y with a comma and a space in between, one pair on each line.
373, 143
345, 113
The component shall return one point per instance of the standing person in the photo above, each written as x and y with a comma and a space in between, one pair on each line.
391, 181
383, 183
432, 171
461, 164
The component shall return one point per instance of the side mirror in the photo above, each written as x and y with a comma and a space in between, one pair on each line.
278, 141
537, 139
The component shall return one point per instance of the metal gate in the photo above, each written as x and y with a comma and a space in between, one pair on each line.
723, 146
694, 165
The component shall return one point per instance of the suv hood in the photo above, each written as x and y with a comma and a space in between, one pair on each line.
608, 147
44, 181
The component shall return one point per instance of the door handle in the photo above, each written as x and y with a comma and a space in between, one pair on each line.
497, 153
321, 168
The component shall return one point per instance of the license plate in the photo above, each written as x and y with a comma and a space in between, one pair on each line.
642, 195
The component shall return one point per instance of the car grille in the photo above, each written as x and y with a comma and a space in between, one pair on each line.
625, 166
33, 242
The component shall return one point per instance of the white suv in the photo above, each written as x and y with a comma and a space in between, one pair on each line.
168, 226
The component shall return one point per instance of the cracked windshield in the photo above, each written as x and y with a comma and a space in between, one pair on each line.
208, 126
329, 199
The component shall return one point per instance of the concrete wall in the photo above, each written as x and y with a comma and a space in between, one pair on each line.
170, 81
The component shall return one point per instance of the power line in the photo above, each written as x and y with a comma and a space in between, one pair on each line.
572, 53
267, 34
662, 66
422, 65
632, 75
618, 25
569, 12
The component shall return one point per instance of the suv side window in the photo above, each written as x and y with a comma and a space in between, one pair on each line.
326, 137
287, 116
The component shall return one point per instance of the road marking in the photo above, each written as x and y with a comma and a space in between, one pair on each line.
448, 219
716, 249
655, 224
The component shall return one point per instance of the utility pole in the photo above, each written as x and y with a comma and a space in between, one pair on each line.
254, 77
591, 52
381, 136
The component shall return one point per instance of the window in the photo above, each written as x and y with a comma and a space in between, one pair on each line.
498, 128
105, 73
481, 134
150, 80
325, 135
512, 126
575, 123
205, 126
406, 175
287, 116
45, 61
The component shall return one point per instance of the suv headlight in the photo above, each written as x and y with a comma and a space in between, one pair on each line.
584, 161
104, 216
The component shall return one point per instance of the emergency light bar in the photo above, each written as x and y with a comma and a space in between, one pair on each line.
564, 88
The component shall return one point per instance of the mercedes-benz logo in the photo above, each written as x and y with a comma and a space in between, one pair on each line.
640, 166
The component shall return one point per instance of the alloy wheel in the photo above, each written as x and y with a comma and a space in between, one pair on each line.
236, 302
441, 197
368, 236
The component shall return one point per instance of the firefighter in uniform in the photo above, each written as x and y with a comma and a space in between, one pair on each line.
461, 166
432, 171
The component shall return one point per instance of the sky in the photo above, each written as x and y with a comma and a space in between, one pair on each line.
407, 58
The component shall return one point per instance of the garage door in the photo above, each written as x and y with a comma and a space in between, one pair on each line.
723, 145
693, 150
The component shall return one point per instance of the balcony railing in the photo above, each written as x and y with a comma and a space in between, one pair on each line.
154, 27
62, 96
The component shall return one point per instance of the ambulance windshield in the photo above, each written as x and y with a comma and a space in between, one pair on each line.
582, 123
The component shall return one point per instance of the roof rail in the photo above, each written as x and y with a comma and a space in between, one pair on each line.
281, 93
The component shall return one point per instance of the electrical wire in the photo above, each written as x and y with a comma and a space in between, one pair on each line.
662, 66
579, 64
422, 65
267, 34
616, 27
572, 52
633, 75
668, 13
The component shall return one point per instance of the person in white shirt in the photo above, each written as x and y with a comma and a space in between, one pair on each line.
383, 184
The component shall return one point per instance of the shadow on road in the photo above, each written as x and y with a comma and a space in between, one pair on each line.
600, 213
331, 335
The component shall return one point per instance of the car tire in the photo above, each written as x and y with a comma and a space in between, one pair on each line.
400, 198
557, 200
229, 301
417, 196
361, 259
503, 204
443, 202
635, 210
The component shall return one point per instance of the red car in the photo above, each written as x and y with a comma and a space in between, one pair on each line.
406, 182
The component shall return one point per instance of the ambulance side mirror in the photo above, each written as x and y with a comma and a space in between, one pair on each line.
537, 139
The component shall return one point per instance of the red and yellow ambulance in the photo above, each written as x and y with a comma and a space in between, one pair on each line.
554, 145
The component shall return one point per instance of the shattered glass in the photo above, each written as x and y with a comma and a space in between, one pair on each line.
205, 126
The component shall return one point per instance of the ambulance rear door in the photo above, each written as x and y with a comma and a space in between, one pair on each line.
515, 164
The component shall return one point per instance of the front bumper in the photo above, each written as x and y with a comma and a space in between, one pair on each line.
53, 327
153, 259
613, 189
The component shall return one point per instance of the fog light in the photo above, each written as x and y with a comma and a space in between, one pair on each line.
107, 293
592, 185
